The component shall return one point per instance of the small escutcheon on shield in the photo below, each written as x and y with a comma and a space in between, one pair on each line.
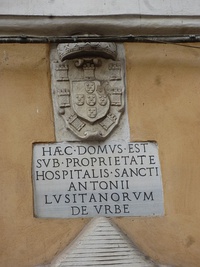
95, 85
102, 100
80, 99
92, 112
89, 87
91, 100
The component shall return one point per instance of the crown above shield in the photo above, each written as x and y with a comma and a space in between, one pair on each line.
89, 49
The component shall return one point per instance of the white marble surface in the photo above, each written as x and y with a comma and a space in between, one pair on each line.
74, 180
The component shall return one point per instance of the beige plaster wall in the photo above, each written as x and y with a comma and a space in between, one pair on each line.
163, 103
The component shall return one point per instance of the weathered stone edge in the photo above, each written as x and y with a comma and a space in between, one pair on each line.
101, 25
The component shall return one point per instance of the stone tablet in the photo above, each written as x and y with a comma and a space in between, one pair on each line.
97, 179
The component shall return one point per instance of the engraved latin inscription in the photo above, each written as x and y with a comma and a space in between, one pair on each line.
111, 179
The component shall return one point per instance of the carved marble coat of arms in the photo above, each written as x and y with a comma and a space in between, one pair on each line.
88, 88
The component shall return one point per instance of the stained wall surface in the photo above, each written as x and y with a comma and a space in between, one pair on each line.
163, 87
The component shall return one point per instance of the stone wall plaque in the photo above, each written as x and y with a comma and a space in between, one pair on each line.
73, 179
88, 90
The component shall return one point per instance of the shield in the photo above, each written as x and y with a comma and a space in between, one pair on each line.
88, 102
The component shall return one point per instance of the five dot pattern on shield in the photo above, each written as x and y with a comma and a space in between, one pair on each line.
90, 88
